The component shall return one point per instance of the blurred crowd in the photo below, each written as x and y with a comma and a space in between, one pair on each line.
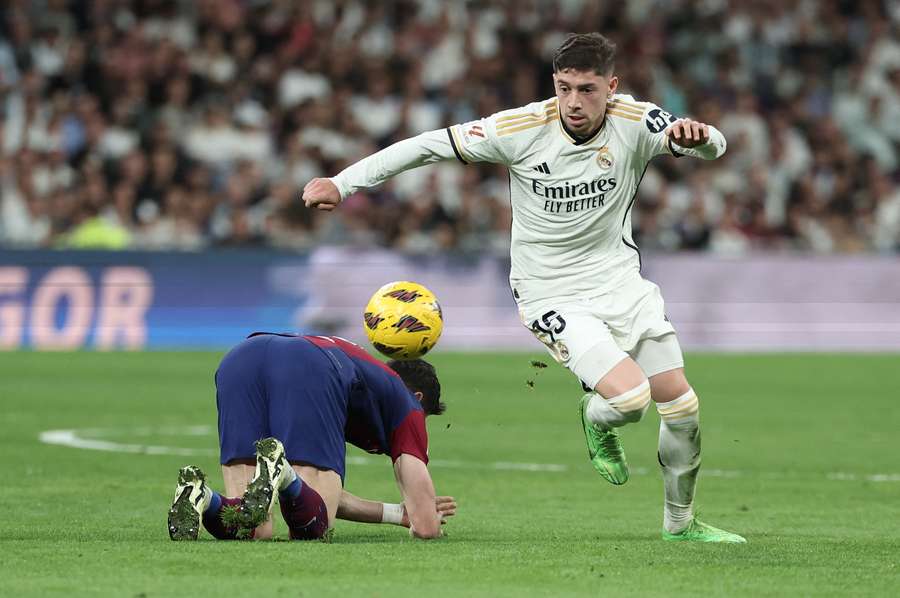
178, 124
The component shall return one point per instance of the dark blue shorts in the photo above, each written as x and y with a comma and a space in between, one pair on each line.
284, 387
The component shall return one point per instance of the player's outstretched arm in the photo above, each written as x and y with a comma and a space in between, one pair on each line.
361, 510
418, 496
427, 148
693, 138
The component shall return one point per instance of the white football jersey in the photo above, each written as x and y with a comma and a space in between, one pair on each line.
571, 199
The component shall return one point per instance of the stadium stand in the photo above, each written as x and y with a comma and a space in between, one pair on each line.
163, 124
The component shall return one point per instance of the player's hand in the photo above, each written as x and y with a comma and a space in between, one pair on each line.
685, 132
444, 505
321, 194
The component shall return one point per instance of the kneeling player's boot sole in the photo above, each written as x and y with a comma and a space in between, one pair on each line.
260, 494
187, 507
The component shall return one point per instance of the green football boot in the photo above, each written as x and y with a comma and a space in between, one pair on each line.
192, 496
697, 531
604, 449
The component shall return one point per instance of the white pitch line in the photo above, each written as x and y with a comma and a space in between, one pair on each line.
74, 439
71, 438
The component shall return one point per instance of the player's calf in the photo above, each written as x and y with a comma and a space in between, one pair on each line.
679, 458
303, 510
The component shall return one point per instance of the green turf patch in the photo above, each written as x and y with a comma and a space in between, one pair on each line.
799, 457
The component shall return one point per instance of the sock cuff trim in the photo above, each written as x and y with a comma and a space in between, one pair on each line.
293, 489
684, 406
632, 400
215, 503
690, 393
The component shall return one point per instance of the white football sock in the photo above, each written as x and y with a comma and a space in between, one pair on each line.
679, 457
626, 408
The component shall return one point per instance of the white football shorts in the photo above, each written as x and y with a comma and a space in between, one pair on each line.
590, 335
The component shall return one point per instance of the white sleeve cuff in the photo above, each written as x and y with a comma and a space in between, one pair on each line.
342, 188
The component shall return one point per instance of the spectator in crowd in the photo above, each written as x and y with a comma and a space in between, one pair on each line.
173, 124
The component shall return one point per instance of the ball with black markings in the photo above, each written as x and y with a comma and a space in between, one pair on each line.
403, 320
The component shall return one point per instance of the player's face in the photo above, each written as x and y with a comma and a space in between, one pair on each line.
582, 98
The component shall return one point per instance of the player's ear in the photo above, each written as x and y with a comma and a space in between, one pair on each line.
419, 396
613, 84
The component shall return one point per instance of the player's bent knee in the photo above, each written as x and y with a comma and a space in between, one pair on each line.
622, 378
632, 404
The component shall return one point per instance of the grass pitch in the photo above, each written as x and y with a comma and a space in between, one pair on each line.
800, 456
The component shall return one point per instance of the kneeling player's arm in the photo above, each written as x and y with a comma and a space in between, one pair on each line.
418, 496
354, 508
361, 510
426, 148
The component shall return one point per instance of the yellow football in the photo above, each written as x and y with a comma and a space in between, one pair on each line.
403, 320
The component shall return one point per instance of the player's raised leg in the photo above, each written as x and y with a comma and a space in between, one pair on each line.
679, 458
577, 336
621, 396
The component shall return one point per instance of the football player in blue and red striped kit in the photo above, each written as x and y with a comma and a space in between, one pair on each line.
305, 397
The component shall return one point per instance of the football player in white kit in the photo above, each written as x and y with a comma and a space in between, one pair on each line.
575, 162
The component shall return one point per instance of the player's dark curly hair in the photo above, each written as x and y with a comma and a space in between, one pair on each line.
586, 52
419, 376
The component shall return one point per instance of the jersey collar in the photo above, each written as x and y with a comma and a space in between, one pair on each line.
574, 140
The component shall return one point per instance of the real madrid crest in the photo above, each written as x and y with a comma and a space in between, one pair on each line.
604, 158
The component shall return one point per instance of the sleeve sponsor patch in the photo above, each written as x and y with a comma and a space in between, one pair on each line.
658, 119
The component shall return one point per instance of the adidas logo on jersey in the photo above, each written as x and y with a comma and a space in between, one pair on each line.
542, 167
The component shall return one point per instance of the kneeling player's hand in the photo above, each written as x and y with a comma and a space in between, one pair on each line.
445, 506
321, 194
685, 132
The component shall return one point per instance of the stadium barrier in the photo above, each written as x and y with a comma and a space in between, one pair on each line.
143, 300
